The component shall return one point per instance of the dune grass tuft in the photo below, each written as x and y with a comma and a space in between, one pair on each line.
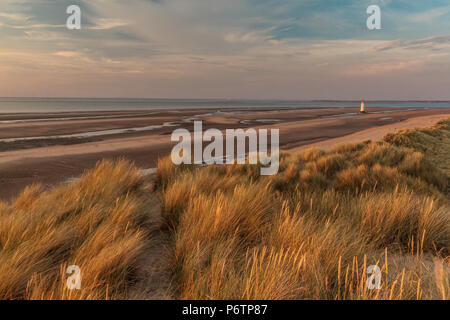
98, 223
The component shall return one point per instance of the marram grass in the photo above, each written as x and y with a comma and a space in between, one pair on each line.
98, 223
312, 231
309, 232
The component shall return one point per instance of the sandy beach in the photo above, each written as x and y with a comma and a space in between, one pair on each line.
51, 148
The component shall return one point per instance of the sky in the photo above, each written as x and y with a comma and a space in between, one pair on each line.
242, 49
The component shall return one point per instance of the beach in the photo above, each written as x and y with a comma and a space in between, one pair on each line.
54, 148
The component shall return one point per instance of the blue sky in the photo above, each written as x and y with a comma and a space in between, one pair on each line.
283, 49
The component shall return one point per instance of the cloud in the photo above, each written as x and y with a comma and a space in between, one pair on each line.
432, 43
106, 24
387, 67
14, 16
67, 54
258, 36
37, 26
429, 15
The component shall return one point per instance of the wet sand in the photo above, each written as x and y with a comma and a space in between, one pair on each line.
52, 157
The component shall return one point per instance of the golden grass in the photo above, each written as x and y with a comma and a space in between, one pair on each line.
434, 142
311, 231
97, 223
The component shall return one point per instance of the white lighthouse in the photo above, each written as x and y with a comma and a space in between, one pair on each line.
363, 107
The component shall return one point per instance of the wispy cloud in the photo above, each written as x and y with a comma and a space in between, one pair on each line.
429, 15
106, 24
432, 43
251, 37
387, 68
14, 16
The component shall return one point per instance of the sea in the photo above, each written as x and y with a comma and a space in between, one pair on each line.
57, 105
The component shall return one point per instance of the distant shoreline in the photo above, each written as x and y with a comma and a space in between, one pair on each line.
225, 99
61, 105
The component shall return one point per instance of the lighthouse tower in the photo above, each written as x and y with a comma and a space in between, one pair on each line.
363, 107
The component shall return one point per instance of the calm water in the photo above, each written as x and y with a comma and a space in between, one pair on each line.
25, 105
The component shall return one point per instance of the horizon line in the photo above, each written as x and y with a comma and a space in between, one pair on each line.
229, 99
